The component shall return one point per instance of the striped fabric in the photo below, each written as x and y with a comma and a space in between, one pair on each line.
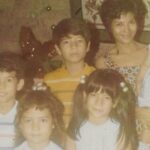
7, 129
63, 84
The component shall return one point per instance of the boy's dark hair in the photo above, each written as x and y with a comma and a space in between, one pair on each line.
71, 26
113, 9
10, 61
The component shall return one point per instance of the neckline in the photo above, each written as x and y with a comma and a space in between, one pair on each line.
114, 65
79, 73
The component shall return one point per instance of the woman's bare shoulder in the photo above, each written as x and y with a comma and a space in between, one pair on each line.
142, 46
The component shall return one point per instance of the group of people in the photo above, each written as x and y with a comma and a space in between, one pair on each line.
77, 106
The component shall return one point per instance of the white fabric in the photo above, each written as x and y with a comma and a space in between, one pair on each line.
143, 146
98, 137
144, 97
50, 146
7, 129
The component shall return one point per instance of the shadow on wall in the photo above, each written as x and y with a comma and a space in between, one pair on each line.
95, 42
40, 57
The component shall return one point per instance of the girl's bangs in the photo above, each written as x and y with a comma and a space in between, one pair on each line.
106, 86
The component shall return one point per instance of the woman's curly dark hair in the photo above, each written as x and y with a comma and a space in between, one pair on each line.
112, 9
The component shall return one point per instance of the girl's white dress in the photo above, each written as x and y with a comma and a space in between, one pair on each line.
98, 137
144, 97
143, 146
143, 118
50, 146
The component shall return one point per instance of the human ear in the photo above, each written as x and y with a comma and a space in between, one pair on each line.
53, 126
88, 46
115, 104
57, 49
20, 84
84, 96
19, 125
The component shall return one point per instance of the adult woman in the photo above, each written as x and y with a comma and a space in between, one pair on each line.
124, 20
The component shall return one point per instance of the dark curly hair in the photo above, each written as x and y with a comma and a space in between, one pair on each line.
10, 61
112, 9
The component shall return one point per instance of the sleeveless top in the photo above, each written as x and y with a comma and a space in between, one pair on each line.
129, 72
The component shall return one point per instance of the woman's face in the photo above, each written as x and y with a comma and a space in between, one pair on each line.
124, 28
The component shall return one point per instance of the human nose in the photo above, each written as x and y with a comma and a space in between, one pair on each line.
2, 84
126, 27
35, 125
99, 100
74, 44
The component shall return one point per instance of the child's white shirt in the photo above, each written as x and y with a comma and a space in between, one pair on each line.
7, 128
143, 146
98, 137
50, 146
144, 97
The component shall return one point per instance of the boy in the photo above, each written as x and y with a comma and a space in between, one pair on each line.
72, 42
11, 81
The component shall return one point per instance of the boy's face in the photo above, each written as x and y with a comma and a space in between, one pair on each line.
73, 48
9, 85
36, 126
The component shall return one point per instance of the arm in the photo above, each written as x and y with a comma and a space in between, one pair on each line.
69, 144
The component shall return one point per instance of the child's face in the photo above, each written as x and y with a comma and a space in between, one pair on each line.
99, 106
9, 85
36, 126
73, 48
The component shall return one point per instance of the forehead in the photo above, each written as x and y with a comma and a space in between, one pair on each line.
100, 90
5, 74
36, 112
72, 36
125, 16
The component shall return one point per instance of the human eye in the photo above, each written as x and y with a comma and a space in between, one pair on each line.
92, 94
80, 40
65, 41
27, 120
118, 24
44, 120
10, 79
132, 21
107, 97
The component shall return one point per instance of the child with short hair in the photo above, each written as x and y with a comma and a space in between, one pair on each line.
72, 41
103, 114
39, 114
11, 82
